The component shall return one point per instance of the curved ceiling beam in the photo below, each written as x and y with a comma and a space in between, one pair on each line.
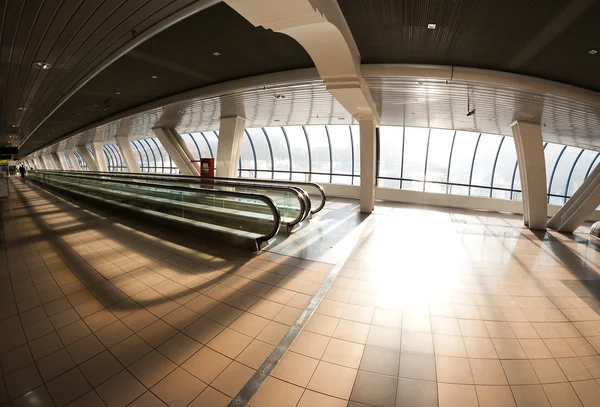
135, 41
320, 27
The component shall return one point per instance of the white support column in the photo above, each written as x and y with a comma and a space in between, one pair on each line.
88, 158
57, 161
367, 165
73, 160
532, 168
127, 153
178, 151
99, 155
40, 164
63, 161
580, 206
231, 132
48, 162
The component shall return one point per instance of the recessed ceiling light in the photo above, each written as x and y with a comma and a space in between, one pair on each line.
154, 77
14, 125
276, 120
78, 114
21, 108
593, 51
341, 118
42, 65
118, 93
217, 53
431, 26
95, 105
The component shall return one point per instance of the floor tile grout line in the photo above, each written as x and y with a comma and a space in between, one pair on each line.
260, 376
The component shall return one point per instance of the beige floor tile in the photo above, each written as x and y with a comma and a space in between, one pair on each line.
120, 390
255, 354
203, 330
453, 370
130, 350
15, 359
417, 342
561, 395
37, 397
530, 396
211, 398
588, 392
381, 360
580, 346
574, 369
473, 328
417, 366
416, 322
249, 324
230, 343
480, 348
387, 318
233, 378
374, 389
22, 381
179, 388
310, 344
509, 349
331, 308
55, 364
157, 333
206, 364
384, 337
445, 326
559, 348
333, 380
343, 353
85, 348
265, 308
593, 365
358, 313
139, 319
100, 368
224, 314
152, 368
524, 330
495, 396
100, 319
447, 345
321, 324
179, 348
67, 387
295, 368
519, 372
499, 330
487, 372
352, 331
535, 348
548, 371
113, 334
416, 393
276, 393
89, 399
45, 345
147, 400
273, 333
457, 395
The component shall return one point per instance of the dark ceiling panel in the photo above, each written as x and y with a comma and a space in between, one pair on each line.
182, 59
490, 34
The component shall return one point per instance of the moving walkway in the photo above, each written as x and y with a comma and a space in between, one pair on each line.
239, 212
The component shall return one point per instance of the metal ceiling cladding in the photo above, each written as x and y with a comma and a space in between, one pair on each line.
74, 36
180, 56
548, 39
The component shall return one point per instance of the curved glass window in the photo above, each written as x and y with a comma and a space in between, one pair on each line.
467, 163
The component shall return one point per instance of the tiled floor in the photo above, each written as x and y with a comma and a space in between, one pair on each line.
432, 308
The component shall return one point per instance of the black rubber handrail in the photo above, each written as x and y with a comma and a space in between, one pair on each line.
268, 201
250, 180
301, 195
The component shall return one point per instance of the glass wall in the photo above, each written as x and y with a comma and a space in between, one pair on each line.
467, 163
417, 159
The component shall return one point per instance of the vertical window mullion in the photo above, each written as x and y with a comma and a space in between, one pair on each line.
270, 152
473, 162
287, 142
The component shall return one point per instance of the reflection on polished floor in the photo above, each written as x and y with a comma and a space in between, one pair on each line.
429, 307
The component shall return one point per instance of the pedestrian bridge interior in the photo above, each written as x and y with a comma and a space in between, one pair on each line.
300, 203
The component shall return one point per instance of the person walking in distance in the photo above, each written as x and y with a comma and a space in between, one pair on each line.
22, 171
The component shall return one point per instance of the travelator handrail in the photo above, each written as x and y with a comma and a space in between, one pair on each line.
301, 195
206, 180
248, 195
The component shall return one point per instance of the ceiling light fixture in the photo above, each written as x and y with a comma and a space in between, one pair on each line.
42, 65
118, 93
431, 26
217, 53
154, 77
21, 108
593, 51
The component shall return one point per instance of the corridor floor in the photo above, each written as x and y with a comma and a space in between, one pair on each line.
427, 307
